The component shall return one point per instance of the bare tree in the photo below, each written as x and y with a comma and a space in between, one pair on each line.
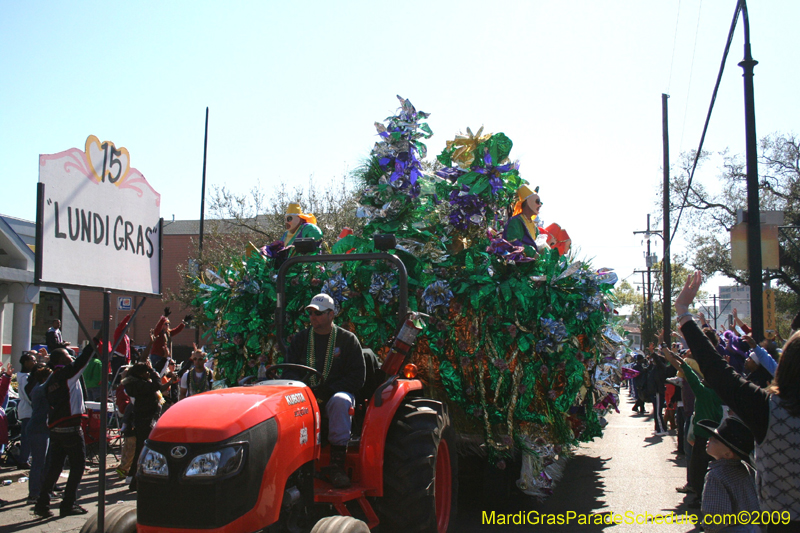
708, 217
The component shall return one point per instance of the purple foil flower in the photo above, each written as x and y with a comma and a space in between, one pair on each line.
450, 173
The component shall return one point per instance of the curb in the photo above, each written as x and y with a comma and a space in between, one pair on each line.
14, 475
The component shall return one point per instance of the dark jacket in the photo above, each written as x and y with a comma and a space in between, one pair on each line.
656, 378
347, 371
64, 393
146, 405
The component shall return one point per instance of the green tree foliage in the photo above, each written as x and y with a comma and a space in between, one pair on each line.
626, 294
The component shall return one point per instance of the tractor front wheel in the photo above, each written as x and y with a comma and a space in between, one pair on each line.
340, 524
420, 478
119, 518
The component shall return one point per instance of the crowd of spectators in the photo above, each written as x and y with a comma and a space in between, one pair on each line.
734, 404
53, 387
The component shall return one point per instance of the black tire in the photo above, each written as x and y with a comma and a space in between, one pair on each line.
420, 441
120, 518
340, 524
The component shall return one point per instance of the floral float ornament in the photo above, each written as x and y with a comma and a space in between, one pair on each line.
437, 297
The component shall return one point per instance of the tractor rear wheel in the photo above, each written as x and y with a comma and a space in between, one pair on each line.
420, 477
340, 524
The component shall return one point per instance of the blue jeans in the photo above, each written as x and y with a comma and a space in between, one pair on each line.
24, 445
340, 419
38, 442
64, 445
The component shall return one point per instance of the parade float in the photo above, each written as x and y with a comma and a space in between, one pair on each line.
520, 338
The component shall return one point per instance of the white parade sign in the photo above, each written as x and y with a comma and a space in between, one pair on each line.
98, 222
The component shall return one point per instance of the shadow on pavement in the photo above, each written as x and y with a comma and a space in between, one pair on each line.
581, 491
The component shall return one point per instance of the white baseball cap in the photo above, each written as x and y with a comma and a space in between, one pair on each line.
322, 302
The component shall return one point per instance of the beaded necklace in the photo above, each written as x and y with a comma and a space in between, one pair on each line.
197, 386
311, 355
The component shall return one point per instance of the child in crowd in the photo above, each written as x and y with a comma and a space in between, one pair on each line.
730, 487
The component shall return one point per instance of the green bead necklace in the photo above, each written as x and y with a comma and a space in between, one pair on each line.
311, 355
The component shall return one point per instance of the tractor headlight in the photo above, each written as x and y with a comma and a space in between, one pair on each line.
222, 462
153, 463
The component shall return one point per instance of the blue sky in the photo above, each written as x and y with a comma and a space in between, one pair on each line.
295, 87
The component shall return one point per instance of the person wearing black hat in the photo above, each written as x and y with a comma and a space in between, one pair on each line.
730, 487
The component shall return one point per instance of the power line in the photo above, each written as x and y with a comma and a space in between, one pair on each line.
691, 72
674, 40
708, 119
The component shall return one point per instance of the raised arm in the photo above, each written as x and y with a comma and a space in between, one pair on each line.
749, 401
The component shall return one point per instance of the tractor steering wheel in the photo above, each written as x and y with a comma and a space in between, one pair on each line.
308, 372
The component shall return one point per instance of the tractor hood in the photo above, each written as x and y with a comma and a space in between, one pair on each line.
218, 415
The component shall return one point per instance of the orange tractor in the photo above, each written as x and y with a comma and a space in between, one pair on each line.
248, 458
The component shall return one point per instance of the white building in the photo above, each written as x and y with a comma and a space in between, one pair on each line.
27, 311
734, 297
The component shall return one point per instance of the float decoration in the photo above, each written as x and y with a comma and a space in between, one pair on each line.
523, 347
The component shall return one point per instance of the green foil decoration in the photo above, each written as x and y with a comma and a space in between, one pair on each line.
505, 377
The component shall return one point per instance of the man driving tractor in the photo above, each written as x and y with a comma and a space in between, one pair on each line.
336, 354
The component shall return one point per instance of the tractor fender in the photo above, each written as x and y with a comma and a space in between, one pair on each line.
373, 435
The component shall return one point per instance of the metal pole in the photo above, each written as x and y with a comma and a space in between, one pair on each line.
753, 210
202, 212
101, 476
666, 304
646, 312
649, 280
716, 312
203, 190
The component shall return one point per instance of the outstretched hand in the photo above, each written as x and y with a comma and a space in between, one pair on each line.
673, 358
167, 312
749, 340
187, 319
689, 291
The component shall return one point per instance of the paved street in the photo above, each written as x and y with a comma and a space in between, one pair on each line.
628, 470
17, 516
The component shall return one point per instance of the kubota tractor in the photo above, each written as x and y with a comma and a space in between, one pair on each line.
247, 459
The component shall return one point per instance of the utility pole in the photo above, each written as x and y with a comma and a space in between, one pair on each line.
649, 279
648, 261
666, 304
714, 297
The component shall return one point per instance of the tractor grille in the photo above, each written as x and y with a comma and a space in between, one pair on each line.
177, 503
